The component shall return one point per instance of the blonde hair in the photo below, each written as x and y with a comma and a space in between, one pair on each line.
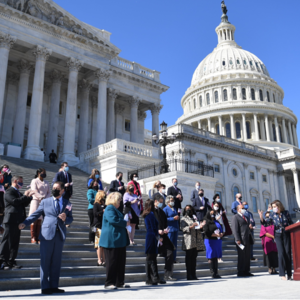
94, 171
156, 183
113, 199
128, 187
100, 196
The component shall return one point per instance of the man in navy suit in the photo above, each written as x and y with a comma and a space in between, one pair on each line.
200, 203
236, 203
65, 177
118, 186
57, 213
175, 191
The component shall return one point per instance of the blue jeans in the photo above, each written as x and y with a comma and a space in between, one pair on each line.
173, 236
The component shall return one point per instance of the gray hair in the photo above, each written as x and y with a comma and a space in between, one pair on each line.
16, 178
169, 198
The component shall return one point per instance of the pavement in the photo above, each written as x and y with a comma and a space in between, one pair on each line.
261, 286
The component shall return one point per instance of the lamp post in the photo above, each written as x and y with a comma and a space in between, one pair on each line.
163, 142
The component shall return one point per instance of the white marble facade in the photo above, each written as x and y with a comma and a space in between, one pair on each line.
63, 85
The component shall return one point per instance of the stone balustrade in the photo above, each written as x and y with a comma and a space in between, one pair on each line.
287, 153
118, 145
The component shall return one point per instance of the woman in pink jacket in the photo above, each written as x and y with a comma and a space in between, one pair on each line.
42, 190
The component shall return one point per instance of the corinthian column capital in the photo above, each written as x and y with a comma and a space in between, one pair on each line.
120, 108
85, 85
134, 101
56, 76
112, 94
142, 115
102, 74
156, 108
25, 67
74, 64
7, 41
42, 53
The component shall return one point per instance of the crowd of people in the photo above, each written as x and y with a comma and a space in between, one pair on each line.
114, 216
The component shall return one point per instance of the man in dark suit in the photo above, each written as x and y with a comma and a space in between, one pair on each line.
14, 214
161, 193
57, 213
241, 231
177, 194
65, 177
167, 247
199, 202
118, 186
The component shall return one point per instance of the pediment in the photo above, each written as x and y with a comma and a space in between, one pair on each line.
52, 17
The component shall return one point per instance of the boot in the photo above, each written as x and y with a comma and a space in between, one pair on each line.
38, 230
212, 271
32, 231
154, 271
148, 273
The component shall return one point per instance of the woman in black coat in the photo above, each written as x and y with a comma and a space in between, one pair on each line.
98, 211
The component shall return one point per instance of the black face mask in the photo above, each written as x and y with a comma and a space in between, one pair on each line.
43, 175
240, 198
55, 193
189, 212
96, 188
131, 190
201, 194
120, 178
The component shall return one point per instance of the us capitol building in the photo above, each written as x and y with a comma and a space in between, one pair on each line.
63, 86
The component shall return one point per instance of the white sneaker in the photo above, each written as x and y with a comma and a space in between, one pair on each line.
110, 287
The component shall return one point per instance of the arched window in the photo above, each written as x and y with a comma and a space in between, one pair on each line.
216, 97
217, 129
223, 63
274, 98
225, 95
238, 130
274, 132
228, 130
234, 95
251, 63
245, 62
244, 94
207, 99
201, 101
230, 62
238, 61
280, 134
235, 191
252, 94
194, 103
259, 132
261, 98
268, 96
248, 128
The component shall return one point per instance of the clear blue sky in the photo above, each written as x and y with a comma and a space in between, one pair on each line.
173, 36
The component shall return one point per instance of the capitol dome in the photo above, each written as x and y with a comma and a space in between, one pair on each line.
232, 94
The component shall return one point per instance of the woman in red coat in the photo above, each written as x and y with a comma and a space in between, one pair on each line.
137, 188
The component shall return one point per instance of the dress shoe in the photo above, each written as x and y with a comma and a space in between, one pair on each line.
123, 286
249, 274
254, 259
176, 262
216, 276
170, 279
47, 292
15, 266
150, 283
5, 266
57, 291
240, 275
162, 282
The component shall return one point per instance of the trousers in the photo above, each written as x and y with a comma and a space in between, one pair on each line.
151, 269
51, 255
91, 219
191, 263
283, 243
173, 236
169, 260
115, 259
243, 265
214, 266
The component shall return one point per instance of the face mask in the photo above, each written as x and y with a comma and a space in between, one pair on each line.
197, 187
97, 176
246, 206
216, 207
160, 205
96, 187
20, 184
4, 169
240, 198
218, 200
270, 210
55, 193
175, 183
66, 169
172, 203
212, 216
163, 191
43, 175
120, 178
135, 178
189, 212
275, 210
201, 194
131, 190
243, 211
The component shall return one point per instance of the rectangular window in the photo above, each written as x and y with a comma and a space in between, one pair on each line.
29, 96
254, 204
264, 178
200, 164
267, 204
217, 168
127, 125
220, 194
252, 175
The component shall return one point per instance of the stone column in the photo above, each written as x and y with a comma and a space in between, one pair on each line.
6, 42
244, 127
245, 195
94, 124
227, 197
267, 128
33, 150
103, 77
296, 183
134, 102
83, 133
155, 110
256, 134
119, 120
295, 135
111, 120
290, 133
262, 129
19, 125
68, 155
141, 126
271, 129
10, 108
52, 139
284, 137
208, 125
259, 180
277, 129
220, 125
282, 189
199, 124
232, 127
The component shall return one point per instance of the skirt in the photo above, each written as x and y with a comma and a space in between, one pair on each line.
271, 259
135, 219
213, 248
97, 238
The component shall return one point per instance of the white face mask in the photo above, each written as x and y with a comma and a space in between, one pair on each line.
275, 210
172, 203
197, 187
216, 207
218, 200
135, 178
243, 211
163, 191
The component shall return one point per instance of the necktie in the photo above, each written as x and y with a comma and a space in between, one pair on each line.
120, 183
244, 219
57, 206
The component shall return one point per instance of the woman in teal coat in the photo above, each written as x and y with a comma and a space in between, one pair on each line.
91, 194
114, 239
